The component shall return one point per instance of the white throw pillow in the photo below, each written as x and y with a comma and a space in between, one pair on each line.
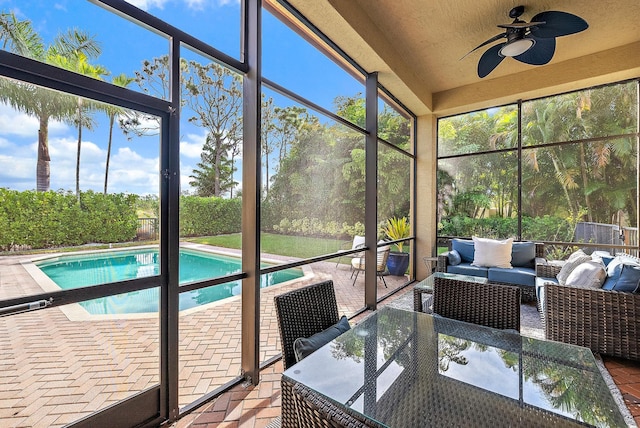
590, 274
572, 262
492, 253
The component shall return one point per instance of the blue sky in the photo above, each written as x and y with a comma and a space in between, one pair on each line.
287, 60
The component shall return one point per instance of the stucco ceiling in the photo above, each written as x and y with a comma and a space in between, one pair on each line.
416, 46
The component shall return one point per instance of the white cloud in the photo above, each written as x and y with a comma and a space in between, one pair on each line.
132, 173
192, 147
12, 168
13, 122
148, 4
191, 4
17, 165
226, 2
195, 4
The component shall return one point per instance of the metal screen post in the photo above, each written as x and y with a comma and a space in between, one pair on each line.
371, 192
251, 186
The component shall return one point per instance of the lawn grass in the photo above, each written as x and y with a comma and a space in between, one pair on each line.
291, 246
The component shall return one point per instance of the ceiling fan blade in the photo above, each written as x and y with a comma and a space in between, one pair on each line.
540, 53
491, 40
557, 24
489, 60
520, 25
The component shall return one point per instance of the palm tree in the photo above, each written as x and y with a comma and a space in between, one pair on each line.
20, 38
123, 81
78, 62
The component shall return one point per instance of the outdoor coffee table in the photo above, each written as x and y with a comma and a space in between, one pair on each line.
425, 287
400, 368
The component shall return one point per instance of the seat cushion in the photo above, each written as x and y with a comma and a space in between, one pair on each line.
304, 346
540, 282
465, 248
467, 269
523, 254
515, 275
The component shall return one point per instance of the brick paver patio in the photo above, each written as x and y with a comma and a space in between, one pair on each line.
56, 370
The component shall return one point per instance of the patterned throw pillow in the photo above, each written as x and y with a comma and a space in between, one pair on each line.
590, 274
572, 262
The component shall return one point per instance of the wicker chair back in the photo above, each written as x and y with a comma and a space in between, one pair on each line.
491, 305
304, 312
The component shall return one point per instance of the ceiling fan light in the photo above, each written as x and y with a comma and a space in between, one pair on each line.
517, 47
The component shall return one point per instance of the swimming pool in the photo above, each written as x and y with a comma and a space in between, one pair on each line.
74, 271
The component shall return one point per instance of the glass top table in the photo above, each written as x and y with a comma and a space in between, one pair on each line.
403, 369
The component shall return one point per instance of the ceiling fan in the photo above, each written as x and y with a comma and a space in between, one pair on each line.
529, 42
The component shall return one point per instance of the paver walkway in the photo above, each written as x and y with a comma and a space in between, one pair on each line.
256, 407
56, 370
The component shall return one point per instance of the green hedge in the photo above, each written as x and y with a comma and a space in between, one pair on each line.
53, 219
546, 228
209, 216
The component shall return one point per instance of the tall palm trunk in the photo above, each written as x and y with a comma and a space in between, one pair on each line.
556, 166
43, 171
79, 147
106, 169
585, 182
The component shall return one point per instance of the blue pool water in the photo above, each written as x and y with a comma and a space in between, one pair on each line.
74, 271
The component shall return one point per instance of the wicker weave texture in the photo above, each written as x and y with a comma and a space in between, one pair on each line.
288, 405
492, 305
303, 313
546, 270
607, 322
315, 411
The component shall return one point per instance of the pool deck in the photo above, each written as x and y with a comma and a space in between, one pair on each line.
57, 368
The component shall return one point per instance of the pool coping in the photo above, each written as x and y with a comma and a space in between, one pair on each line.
75, 312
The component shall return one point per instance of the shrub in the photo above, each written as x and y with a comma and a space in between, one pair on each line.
205, 216
546, 228
52, 219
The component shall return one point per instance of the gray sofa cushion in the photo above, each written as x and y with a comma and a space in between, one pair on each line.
523, 254
515, 275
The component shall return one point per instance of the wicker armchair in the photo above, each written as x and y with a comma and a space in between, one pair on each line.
605, 321
492, 305
304, 312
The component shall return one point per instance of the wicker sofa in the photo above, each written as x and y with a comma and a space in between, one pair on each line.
525, 256
606, 321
